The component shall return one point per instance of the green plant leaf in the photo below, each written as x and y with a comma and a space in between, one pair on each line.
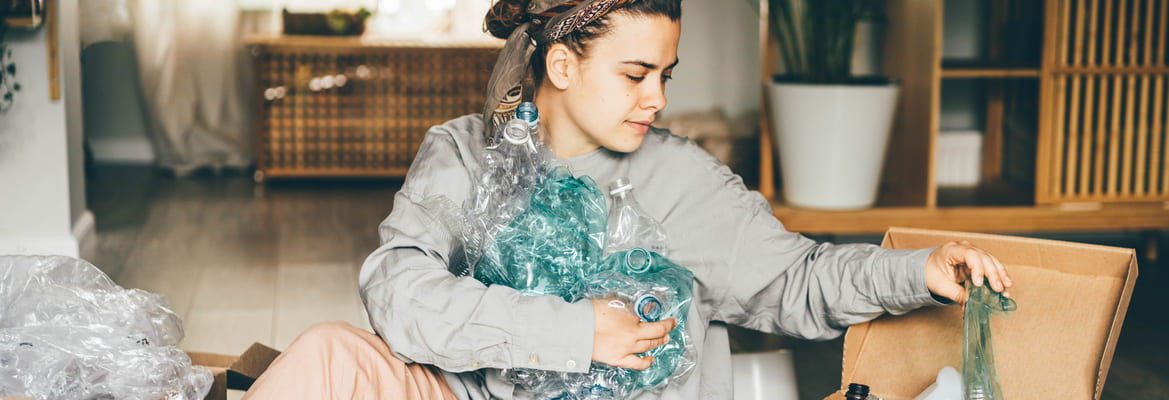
12, 69
16, 87
8, 96
816, 37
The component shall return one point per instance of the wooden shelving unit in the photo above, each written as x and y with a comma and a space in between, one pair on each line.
1037, 130
358, 106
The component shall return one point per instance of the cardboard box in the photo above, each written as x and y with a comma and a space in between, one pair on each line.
234, 372
1059, 344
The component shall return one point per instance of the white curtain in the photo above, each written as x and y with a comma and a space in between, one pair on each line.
194, 81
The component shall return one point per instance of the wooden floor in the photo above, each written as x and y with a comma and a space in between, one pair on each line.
243, 263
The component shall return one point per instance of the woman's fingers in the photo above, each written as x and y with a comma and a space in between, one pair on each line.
634, 362
983, 267
654, 330
650, 344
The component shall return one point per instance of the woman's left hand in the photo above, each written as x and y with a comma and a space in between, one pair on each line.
955, 262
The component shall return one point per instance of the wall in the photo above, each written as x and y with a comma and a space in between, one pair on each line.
115, 116
718, 58
37, 150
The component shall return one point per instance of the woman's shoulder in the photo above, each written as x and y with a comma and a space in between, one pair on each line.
447, 157
661, 145
460, 138
465, 129
694, 168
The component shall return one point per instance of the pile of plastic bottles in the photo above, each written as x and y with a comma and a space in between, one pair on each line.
68, 332
534, 227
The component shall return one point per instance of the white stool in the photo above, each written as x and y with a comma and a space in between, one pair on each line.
766, 375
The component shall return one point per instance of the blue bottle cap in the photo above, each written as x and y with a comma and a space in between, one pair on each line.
638, 259
649, 308
527, 111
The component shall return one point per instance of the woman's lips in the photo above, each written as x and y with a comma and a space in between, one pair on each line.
640, 127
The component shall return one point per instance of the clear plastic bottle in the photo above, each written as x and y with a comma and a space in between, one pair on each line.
629, 225
528, 112
980, 378
512, 168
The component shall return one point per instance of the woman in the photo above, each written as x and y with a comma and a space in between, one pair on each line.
601, 66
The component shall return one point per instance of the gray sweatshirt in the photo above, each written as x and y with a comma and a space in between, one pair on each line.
749, 271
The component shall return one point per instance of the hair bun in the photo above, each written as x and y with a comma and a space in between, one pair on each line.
505, 15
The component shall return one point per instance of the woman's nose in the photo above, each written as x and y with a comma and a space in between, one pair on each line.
654, 97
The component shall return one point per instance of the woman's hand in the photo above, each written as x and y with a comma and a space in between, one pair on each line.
955, 262
618, 335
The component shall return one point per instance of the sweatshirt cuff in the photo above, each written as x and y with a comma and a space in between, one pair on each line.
558, 340
905, 282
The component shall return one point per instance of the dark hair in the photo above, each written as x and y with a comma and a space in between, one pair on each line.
506, 15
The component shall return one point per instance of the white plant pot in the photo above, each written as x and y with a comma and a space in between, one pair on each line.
831, 142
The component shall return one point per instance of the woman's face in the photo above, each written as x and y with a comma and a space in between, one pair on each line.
620, 83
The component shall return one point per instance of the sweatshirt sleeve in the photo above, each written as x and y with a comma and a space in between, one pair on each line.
428, 315
762, 277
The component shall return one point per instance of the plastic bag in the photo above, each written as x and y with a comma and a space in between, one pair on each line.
979, 375
67, 331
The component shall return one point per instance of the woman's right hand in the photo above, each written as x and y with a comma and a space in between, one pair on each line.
618, 335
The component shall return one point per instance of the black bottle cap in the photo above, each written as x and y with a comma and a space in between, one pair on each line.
858, 389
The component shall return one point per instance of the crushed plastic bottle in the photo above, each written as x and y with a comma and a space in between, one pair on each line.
554, 243
653, 288
512, 169
631, 226
979, 376
68, 332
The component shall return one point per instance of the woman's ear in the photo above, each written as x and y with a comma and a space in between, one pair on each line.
560, 65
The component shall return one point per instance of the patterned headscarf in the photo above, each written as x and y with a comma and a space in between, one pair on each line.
559, 17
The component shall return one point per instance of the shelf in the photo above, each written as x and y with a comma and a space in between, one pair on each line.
24, 23
995, 193
990, 73
1012, 219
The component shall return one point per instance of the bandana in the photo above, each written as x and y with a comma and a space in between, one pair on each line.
504, 89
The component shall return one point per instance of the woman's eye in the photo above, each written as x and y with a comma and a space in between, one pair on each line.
635, 78
666, 78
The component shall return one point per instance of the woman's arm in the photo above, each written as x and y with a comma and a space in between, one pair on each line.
758, 275
428, 315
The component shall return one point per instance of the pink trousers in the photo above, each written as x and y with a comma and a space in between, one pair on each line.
335, 360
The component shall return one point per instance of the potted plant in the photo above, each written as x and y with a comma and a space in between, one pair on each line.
831, 128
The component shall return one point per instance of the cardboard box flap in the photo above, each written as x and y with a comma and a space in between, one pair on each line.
218, 365
1059, 344
250, 365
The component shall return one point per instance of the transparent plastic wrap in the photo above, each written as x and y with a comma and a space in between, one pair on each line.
94, 362
554, 243
67, 331
512, 169
979, 376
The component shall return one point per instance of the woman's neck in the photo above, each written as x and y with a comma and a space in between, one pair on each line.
561, 134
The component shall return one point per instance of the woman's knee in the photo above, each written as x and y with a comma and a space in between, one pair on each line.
326, 332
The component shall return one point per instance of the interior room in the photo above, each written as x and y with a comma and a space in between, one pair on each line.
237, 157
